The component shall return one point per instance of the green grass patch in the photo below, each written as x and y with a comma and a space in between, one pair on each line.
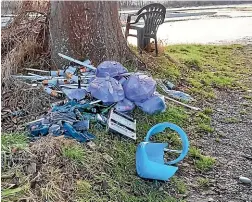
244, 112
248, 97
179, 185
203, 182
11, 141
231, 120
74, 153
205, 163
202, 163
208, 66
194, 152
203, 123
208, 111
202, 127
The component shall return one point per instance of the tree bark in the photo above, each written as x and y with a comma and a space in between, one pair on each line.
87, 30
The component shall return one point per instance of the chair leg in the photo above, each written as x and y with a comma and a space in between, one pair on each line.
140, 41
156, 46
127, 31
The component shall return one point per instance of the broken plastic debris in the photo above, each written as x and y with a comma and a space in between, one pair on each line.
150, 162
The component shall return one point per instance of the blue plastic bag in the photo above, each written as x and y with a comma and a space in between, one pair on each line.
106, 89
154, 104
124, 106
110, 68
139, 88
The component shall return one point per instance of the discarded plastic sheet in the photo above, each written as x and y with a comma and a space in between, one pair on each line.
150, 162
122, 124
110, 68
77, 94
67, 115
55, 130
51, 92
139, 87
175, 94
69, 131
81, 125
179, 95
59, 72
124, 106
39, 129
169, 85
106, 89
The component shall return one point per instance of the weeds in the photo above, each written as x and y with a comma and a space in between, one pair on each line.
231, 120
74, 153
202, 163
205, 163
17, 141
179, 185
203, 182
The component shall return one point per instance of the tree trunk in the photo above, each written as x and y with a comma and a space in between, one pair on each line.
87, 30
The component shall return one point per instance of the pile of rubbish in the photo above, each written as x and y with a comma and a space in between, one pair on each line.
104, 96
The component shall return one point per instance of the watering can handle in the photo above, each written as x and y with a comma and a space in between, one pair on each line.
160, 128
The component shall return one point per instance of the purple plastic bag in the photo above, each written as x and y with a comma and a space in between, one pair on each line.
139, 87
106, 89
154, 104
110, 68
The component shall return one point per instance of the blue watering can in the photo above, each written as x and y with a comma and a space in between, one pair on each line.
150, 162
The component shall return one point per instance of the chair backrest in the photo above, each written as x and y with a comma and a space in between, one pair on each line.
153, 7
152, 20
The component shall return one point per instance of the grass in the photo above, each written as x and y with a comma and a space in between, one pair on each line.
208, 111
231, 120
179, 185
74, 153
248, 97
208, 67
203, 182
13, 141
203, 122
202, 163
205, 163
